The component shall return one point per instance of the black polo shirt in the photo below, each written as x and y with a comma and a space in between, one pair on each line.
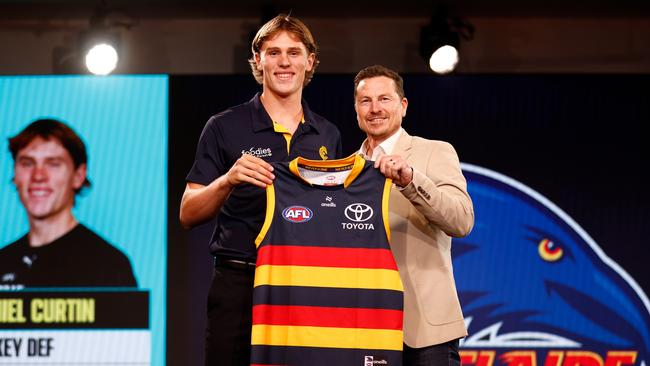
248, 129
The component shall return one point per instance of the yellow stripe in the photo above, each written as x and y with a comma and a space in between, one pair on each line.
277, 127
281, 129
359, 162
384, 205
268, 218
287, 335
287, 137
368, 278
338, 163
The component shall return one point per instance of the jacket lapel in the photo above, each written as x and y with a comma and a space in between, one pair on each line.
403, 145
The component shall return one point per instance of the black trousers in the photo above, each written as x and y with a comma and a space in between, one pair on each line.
445, 354
230, 308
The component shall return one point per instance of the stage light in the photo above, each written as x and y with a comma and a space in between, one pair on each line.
440, 41
101, 59
97, 48
444, 59
100, 49
100, 46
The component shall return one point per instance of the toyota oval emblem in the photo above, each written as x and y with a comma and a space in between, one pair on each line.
358, 212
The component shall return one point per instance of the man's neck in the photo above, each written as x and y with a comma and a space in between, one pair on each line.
372, 143
45, 231
286, 111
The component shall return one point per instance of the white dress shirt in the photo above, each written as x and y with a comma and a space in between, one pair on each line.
384, 148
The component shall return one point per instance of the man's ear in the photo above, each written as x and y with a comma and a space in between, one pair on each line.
311, 58
79, 177
258, 64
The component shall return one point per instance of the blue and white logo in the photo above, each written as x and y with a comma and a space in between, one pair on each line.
297, 214
537, 290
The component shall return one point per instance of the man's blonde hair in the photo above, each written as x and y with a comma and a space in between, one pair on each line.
284, 22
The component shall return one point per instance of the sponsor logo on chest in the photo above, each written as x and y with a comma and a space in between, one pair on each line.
259, 152
358, 213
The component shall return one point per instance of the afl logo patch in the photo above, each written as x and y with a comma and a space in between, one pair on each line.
297, 214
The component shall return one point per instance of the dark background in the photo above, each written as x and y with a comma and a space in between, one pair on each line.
576, 139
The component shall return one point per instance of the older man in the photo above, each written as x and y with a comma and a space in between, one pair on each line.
429, 204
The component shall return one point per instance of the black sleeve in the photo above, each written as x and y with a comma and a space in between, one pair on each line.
209, 162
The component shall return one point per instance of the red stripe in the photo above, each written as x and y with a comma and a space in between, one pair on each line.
321, 316
325, 257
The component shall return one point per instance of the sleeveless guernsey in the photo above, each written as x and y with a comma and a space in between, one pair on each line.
327, 290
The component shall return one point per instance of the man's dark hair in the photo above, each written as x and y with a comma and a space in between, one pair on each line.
376, 71
48, 129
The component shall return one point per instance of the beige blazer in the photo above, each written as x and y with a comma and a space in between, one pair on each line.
423, 217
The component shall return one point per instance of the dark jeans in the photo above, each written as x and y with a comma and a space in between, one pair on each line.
230, 308
445, 354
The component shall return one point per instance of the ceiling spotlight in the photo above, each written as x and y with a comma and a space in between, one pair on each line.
101, 59
100, 49
440, 41
97, 48
444, 59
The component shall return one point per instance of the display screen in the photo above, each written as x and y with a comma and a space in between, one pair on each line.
96, 294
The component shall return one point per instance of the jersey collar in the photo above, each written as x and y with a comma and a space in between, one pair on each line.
356, 160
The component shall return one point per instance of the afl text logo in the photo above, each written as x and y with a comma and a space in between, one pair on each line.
297, 214
358, 212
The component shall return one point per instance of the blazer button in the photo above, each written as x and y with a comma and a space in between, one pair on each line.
424, 193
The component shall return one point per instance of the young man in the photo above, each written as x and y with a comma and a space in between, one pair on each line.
428, 205
49, 170
231, 169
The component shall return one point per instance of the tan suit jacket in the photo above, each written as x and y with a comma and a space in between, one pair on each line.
423, 217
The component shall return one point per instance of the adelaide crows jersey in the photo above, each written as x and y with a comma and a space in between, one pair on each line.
327, 290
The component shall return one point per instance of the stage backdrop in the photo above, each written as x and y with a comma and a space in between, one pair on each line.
123, 122
555, 270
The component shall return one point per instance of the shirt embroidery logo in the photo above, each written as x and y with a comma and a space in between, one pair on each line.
329, 202
258, 152
323, 152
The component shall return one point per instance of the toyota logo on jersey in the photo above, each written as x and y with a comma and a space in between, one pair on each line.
358, 212
297, 214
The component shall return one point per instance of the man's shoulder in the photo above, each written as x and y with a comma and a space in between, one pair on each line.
421, 142
89, 240
15, 246
323, 123
320, 119
232, 114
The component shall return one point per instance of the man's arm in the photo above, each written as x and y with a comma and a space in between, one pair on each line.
201, 203
439, 193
